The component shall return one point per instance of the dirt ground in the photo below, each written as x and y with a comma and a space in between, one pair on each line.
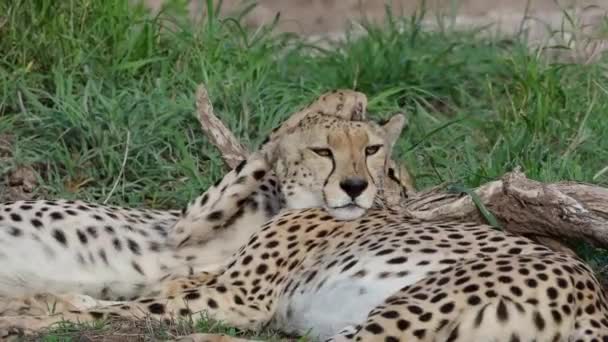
330, 17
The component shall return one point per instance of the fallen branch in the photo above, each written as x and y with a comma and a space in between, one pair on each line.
219, 135
562, 211
547, 212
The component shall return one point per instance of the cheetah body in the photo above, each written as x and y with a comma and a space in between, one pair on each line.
391, 277
84, 239
381, 277
119, 253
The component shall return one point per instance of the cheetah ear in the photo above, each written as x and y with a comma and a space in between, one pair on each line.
269, 151
393, 128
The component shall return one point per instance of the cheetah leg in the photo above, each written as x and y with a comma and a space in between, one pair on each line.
590, 329
227, 201
47, 304
220, 302
499, 298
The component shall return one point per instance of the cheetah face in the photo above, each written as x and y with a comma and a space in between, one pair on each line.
335, 163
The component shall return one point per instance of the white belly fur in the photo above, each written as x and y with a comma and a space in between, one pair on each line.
344, 300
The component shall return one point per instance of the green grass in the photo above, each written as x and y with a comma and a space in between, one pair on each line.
84, 83
150, 329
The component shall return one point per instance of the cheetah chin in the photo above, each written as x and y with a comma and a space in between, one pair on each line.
347, 212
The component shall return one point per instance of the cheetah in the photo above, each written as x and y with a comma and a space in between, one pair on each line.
113, 253
338, 275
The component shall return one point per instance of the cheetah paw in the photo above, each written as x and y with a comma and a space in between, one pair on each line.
19, 326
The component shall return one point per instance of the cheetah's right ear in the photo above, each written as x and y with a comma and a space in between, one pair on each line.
393, 128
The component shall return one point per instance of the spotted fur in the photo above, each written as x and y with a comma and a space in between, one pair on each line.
119, 253
381, 277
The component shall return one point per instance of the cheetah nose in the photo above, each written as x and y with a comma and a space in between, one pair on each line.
353, 186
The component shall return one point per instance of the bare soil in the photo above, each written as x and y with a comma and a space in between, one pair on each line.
17, 182
321, 17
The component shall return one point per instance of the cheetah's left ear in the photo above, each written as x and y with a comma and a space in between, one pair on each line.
393, 128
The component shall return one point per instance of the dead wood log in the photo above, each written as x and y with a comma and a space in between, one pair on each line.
218, 134
550, 213
564, 211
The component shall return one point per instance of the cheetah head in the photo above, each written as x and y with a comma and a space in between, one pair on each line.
335, 163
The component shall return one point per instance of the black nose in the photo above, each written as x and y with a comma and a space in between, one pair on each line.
353, 186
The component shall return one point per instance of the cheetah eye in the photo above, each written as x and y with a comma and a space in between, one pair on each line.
371, 150
323, 152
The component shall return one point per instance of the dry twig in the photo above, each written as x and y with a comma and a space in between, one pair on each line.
231, 149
